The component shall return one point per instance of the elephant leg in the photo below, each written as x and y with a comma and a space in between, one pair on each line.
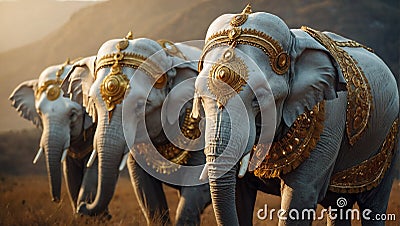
246, 194
306, 185
192, 202
150, 194
73, 179
193, 199
89, 183
339, 205
373, 203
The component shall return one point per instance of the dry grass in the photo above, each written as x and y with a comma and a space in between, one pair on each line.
25, 200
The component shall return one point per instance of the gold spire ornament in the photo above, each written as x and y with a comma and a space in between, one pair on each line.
227, 76
125, 42
171, 48
240, 19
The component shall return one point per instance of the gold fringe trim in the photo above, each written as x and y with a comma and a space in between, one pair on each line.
369, 173
288, 153
79, 155
158, 162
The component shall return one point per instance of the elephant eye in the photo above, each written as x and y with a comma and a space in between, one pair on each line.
140, 104
73, 116
255, 104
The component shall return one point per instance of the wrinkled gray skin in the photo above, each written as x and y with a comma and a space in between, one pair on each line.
312, 77
62, 122
110, 142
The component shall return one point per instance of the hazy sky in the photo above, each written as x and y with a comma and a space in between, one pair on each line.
25, 21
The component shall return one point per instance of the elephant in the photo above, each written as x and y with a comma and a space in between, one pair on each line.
132, 79
67, 133
315, 110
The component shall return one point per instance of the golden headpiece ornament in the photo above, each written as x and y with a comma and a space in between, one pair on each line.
53, 87
279, 59
230, 70
116, 84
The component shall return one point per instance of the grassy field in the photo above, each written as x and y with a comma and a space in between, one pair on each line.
25, 200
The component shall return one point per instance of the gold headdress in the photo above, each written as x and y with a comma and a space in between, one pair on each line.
52, 87
115, 84
279, 59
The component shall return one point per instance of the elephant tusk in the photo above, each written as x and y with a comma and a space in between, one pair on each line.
38, 155
92, 158
204, 173
123, 161
243, 165
64, 155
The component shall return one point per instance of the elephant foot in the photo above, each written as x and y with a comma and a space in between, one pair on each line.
82, 211
105, 216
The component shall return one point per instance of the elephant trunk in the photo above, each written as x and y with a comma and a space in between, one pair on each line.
53, 140
110, 145
223, 152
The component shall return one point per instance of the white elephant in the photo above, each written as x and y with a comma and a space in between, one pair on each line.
67, 132
305, 105
132, 79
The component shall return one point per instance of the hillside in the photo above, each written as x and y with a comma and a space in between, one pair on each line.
373, 23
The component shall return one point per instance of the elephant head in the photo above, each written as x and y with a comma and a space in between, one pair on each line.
61, 119
254, 71
132, 79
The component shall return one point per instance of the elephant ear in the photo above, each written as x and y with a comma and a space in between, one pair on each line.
314, 77
23, 100
77, 85
184, 69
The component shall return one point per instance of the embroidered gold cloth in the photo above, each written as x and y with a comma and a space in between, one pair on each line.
289, 152
190, 130
370, 172
359, 97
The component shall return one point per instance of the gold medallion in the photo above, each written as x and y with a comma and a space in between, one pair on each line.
113, 87
53, 92
227, 76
